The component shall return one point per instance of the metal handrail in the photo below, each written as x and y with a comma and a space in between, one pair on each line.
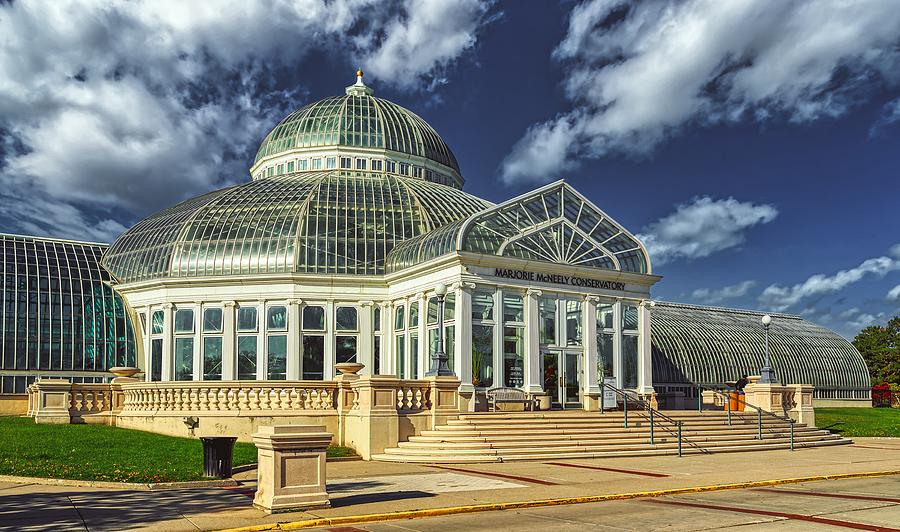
651, 412
759, 411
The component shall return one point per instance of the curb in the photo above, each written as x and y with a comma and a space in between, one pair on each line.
453, 510
137, 486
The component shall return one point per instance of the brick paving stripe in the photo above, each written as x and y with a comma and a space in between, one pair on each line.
499, 475
834, 495
612, 469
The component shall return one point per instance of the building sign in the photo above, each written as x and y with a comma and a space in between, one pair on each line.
571, 280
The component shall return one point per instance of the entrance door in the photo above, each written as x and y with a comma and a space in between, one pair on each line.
562, 377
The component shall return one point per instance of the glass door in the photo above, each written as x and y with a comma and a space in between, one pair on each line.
562, 377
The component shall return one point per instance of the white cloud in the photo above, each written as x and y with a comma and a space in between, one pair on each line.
864, 320
110, 110
717, 295
426, 37
780, 297
702, 227
636, 74
894, 293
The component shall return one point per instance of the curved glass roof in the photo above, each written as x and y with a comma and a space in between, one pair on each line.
359, 120
552, 224
707, 345
333, 222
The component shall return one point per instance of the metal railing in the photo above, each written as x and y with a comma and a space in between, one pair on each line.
652, 413
727, 398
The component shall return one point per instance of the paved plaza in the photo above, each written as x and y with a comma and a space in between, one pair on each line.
360, 488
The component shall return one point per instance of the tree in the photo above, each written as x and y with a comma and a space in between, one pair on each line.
880, 348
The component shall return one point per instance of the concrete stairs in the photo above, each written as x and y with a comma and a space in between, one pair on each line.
506, 436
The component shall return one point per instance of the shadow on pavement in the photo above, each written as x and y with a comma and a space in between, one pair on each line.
111, 510
363, 498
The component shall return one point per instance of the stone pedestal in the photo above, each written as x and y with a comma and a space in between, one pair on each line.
803, 411
444, 399
52, 401
372, 425
766, 396
291, 467
590, 402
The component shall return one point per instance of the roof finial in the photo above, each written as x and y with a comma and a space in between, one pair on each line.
359, 88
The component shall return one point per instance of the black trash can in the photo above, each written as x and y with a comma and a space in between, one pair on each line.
217, 456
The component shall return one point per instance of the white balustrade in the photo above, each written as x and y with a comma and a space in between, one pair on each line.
229, 395
413, 396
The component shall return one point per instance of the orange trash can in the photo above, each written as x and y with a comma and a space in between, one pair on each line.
736, 404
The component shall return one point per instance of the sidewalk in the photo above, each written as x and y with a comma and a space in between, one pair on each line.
370, 487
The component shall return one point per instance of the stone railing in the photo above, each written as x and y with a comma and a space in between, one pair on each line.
86, 399
214, 396
413, 396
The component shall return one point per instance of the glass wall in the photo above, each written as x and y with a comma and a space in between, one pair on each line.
629, 346
312, 365
57, 312
483, 339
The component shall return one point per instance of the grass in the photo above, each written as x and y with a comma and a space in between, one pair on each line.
860, 422
99, 452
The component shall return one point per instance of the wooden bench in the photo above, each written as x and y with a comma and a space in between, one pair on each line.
497, 396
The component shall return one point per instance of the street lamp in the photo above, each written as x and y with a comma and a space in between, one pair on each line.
439, 359
767, 373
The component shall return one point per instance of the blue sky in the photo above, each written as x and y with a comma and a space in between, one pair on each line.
752, 145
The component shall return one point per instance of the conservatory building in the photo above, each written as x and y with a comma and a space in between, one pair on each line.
332, 251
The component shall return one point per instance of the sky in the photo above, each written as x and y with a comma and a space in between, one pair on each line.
751, 145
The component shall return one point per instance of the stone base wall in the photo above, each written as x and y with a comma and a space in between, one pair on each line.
13, 405
234, 424
842, 403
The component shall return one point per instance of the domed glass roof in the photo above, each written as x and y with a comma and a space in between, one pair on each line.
332, 222
357, 120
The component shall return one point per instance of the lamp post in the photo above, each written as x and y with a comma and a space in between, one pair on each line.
439, 359
767, 373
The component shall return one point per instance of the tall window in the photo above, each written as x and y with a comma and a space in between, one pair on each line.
157, 321
400, 339
449, 327
345, 340
212, 344
483, 339
605, 333
313, 363
414, 340
573, 323
184, 345
247, 327
376, 341
513, 340
276, 344
547, 316
629, 346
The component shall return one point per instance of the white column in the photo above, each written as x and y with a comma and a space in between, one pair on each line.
645, 350
388, 355
589, 313
617, 343
293, 340
533, 381
422, 358
229, 337
365, 353
198, 346
148, 311
262, 362
330, 358
462, 363
168, 358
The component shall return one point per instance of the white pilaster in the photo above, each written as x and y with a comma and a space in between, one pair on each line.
148, 367
330, 358
262, 360
590, 363
462, 361
198, 346
422, 359
533, 381
617, 344
229, 337
168, 358
645, 350
388, 349
293, 340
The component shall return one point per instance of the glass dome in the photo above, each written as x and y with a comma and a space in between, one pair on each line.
360, 124
332, 222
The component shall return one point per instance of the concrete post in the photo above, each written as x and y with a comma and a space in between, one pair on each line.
591, 396
803, 411
444, 399
645, 352
533, 380
229, 337
291, 473
168, 352
365, 351
293, 340
53, 401
373, 425
463, 338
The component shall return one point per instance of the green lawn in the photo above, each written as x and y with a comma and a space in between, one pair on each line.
98, 452
883, 422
